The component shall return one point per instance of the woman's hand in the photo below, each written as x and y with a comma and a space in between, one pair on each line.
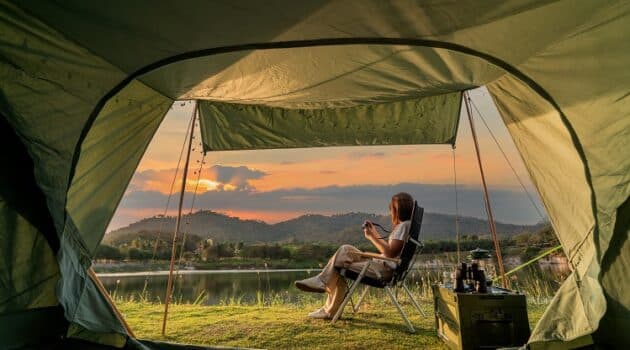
389, 248
369, 231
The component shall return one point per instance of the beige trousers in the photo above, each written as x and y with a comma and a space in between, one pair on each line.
336, 284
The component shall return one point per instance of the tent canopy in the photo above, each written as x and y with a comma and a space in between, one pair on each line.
84, 86
430, 120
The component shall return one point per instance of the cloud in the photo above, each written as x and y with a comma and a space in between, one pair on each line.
152, 180
237, 177
218, 178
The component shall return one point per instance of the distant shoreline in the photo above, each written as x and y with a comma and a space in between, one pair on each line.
196, 272
135, 270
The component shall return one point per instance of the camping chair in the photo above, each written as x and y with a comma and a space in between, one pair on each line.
405, 262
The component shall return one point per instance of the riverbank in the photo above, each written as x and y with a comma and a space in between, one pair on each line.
431, 260
114, 266
376, 326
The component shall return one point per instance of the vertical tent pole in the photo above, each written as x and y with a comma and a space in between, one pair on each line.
169, 285
493, 229
459, 257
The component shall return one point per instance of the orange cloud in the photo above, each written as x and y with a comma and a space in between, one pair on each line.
217, 178
432, 166
270, 217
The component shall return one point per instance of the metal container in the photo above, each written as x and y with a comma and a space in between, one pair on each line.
480, 321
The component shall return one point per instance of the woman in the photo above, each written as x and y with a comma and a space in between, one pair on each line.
331, 282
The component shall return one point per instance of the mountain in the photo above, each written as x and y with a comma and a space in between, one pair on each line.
207, 224
310, 228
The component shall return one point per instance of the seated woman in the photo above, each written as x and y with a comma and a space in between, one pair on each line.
331, 282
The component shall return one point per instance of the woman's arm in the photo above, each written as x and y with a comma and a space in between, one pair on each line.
390, 249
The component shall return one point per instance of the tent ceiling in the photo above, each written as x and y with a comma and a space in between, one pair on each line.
129, 36
323, 77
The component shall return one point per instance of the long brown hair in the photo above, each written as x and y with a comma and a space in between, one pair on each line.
401, 207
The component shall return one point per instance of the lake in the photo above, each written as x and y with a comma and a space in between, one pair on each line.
221, 287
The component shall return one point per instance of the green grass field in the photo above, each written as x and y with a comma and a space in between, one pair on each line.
377, 325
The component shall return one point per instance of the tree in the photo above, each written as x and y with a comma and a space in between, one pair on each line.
108, 252
137, 254
238, 248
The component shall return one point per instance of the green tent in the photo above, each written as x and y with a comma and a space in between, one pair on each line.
85, 84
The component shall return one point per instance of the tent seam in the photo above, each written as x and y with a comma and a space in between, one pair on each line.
31, 287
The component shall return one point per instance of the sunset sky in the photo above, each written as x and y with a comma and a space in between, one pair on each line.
275, 185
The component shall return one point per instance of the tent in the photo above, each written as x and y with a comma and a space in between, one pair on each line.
85, 84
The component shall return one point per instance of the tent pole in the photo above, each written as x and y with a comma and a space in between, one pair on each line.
493, 228
104, 292
169, 285
459, 257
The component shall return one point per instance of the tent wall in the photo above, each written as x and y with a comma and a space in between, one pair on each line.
580, 165
548, 153
108, 158
49, 86
28, 242
109, 155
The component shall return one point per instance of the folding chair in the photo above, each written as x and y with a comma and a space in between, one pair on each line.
406, 261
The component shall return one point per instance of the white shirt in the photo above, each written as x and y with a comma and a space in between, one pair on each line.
400, 232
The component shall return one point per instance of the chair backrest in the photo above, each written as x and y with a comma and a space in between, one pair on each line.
409, 249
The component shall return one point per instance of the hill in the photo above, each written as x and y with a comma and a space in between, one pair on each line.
308, 228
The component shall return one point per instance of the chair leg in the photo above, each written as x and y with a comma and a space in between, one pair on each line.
365, 291
349, 295
413, 300
402, 313
351, 301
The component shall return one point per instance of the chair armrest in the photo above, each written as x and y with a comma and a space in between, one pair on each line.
377, 256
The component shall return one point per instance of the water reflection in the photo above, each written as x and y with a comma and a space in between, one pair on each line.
214, 288
259, 287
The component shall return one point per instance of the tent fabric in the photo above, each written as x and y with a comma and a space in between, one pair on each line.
322, 77
541, 140
32, 327
29, 270
600, 169
66, 81
431, 120
109, 155
84, 85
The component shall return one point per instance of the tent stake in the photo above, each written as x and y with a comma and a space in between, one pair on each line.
493, 228
169, 285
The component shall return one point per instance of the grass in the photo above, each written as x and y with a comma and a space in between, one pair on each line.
286, 326
275, 321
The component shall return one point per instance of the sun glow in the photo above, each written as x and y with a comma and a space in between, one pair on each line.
206, 185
